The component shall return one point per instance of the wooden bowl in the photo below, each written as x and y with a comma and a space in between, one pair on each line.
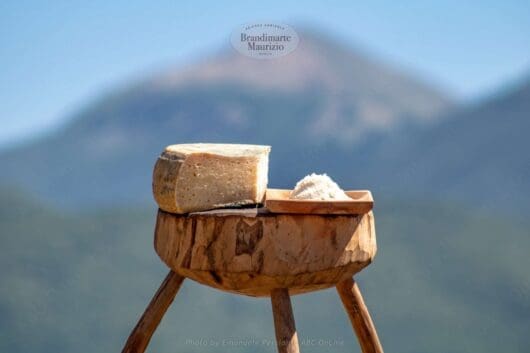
252, 251
278, 201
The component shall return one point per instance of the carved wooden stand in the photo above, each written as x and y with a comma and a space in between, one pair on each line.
256, 253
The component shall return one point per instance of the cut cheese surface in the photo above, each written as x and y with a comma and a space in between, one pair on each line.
204, 176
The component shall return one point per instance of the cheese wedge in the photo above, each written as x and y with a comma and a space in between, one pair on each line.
204, 176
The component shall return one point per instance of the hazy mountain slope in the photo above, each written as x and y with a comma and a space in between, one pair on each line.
360, 94
443, 280
323, 99
478, 155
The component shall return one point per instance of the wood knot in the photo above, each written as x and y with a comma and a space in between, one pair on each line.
248, 236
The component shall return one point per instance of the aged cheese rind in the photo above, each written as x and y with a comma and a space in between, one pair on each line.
164, 186
197, 177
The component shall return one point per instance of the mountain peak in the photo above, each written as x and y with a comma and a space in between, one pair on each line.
361, 94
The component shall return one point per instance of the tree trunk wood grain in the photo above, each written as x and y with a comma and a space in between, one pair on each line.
284, 326
248, 252
146, 326
361, 321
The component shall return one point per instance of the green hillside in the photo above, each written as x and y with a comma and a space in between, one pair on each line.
444, 280
475, 155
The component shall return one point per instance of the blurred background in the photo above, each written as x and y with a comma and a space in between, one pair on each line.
426, 104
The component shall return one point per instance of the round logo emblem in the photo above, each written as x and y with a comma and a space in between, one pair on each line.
264, 40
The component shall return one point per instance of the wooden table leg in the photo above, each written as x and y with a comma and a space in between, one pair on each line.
359, 316
282, 311
146, 326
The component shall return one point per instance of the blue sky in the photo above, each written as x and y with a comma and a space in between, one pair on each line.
57, 56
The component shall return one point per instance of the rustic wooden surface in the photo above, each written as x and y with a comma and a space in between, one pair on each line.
252, 253
146, 326
359, 316
284, 326
278, 201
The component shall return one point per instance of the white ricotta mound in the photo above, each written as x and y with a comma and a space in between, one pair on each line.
318, 187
